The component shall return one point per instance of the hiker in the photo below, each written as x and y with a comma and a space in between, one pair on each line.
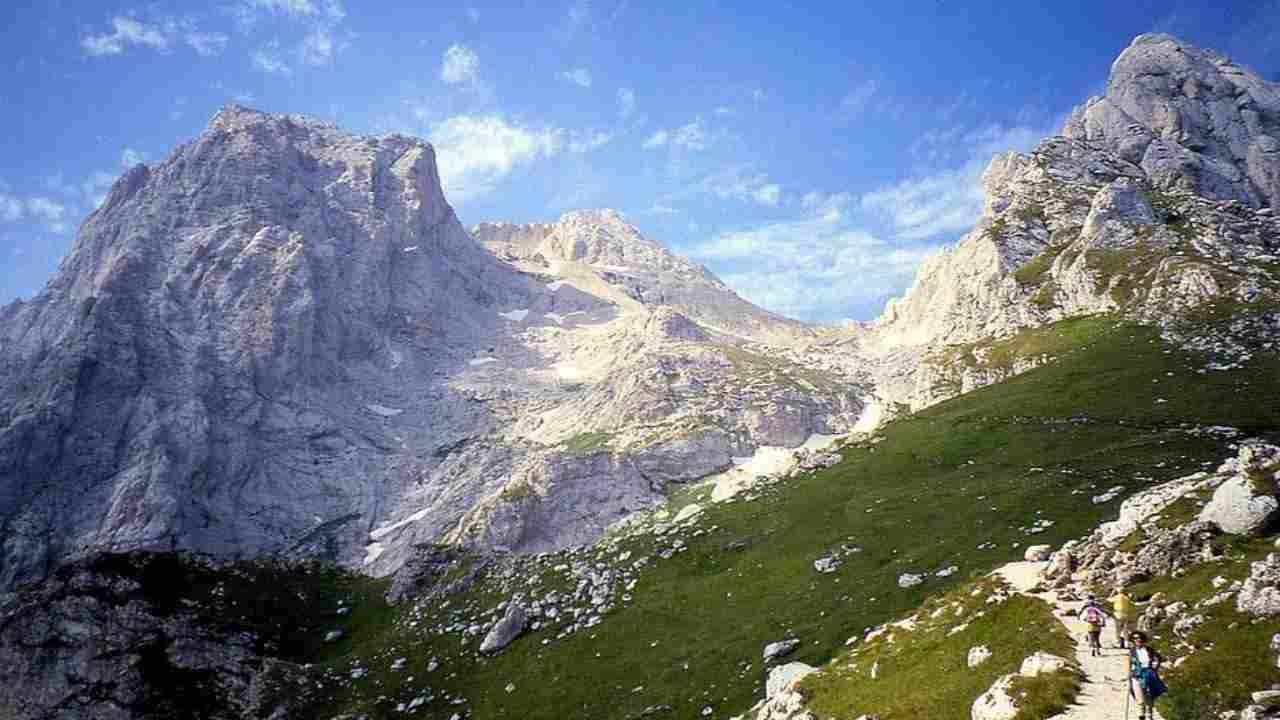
1144, 674
1123, 608
1093, 615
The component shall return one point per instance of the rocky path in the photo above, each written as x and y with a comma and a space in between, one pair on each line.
1102, 697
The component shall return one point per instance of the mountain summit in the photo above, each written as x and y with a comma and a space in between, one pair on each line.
279, 341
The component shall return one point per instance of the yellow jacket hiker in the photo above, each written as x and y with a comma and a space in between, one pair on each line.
1124, 611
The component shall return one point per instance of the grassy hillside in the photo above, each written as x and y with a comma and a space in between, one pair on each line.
967, 483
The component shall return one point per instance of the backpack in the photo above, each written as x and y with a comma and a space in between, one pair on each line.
1093, 615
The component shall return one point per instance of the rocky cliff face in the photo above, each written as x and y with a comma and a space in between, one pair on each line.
208, 367
1156, 199
280, 341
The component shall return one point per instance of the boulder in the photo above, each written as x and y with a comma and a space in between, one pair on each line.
909, 580
506, 630
783, 677
782, 648
1260, 594
996, 703
826, 564
1239, 508
1037, 553
1041, 664
1268, 698
978, 655
787, 705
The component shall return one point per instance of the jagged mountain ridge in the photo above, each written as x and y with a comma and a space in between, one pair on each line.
279, 340
601, 242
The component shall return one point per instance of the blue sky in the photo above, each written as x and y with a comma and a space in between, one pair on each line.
810, 156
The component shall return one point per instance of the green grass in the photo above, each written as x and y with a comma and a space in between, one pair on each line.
1045, 296
586, 443
923, 672
1232, 657
1056, 339
1031, 214
958, 483
1131, 269
1033, 273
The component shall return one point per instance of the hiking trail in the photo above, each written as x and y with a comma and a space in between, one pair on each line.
1102, 694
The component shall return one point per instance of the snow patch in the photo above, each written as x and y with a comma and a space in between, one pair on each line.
870, 418
411, 248
482, 361
554, 286
383, 410
373, 551
382, 532
768, 460
567, 371
556, 318
516, 315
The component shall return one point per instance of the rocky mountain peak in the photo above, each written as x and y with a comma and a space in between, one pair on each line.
1191, 118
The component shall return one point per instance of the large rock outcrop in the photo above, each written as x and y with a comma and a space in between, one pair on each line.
214, 364
1156, 198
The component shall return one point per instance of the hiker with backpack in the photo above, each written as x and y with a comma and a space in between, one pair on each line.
1095, 617
1123, 612
1144, 675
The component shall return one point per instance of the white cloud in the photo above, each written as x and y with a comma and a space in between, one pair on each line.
130, 157
626, 102
590, 140
578, 76
660, 209
95, 187
476, 152
128, 31
328, 9
815, 267
161, 35
691, 136
947, 201
944, 202
11, 208
206, 44
52, 212
460, 65
738, 183
657, 140
860, 96
268, 60
318, 48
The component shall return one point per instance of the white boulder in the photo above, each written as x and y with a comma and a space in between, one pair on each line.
978, 655
996, 703
1037, 553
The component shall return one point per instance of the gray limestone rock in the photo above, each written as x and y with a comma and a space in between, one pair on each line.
1246, 503
779, 649
1237, 508
784, 676
1260, 594
506, 630
102, 638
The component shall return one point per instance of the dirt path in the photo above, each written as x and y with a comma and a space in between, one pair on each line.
1102, 697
